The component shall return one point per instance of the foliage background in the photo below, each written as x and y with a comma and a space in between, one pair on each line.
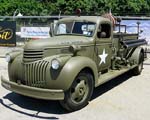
68, 7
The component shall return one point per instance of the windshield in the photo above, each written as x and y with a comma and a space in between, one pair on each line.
74, 27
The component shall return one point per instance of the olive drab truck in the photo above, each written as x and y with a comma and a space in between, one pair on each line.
83, 53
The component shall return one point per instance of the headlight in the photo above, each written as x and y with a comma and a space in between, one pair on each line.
55, 64
8, 58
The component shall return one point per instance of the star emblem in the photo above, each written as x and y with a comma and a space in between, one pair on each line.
103, 57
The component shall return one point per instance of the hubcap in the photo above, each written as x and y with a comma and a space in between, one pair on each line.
79, 91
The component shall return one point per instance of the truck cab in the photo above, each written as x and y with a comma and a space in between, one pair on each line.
83, 53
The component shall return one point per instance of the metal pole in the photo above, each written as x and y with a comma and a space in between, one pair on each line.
138, 27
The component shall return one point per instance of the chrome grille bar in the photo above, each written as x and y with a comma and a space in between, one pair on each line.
32, 55
35, 73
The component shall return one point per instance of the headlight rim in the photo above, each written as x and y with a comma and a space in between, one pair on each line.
55, 64
8, 58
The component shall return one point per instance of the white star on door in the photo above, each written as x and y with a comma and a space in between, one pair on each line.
103, 57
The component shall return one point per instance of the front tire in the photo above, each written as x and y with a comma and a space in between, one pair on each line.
79, 93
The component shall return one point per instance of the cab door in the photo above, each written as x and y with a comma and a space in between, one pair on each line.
104, 46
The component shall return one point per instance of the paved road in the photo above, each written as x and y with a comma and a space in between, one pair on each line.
124, 98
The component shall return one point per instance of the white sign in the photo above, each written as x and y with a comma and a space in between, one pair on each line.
35, 32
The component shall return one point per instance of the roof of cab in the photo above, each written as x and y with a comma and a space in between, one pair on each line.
86, 18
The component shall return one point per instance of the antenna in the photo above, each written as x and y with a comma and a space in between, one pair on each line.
138, 26
110, 11
59, 14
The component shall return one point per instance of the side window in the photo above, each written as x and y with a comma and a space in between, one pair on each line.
105, 31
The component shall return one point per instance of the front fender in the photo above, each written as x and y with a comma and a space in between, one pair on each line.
72, 68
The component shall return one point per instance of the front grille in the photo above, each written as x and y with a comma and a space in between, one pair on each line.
35, 74
32, 55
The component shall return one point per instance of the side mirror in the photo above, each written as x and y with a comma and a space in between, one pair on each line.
51, 32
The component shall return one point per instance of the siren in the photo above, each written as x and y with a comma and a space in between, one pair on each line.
78, 12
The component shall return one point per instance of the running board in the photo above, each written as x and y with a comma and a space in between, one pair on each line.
112, 74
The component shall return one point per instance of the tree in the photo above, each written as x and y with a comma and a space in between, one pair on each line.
68, 7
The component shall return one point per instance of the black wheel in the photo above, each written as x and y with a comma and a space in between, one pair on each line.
79, 93
137, 70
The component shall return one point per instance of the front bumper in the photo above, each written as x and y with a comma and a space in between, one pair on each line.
47, 94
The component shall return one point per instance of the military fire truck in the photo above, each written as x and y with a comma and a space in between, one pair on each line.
83, 53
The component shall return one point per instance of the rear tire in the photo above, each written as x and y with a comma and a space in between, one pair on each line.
79, 93
137, 70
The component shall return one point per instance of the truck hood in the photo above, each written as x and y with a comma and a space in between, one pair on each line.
58, 41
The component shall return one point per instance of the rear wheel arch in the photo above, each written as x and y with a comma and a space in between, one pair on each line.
138, 69
136, 54
138, 58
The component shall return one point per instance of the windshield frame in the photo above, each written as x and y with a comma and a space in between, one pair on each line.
73, 26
